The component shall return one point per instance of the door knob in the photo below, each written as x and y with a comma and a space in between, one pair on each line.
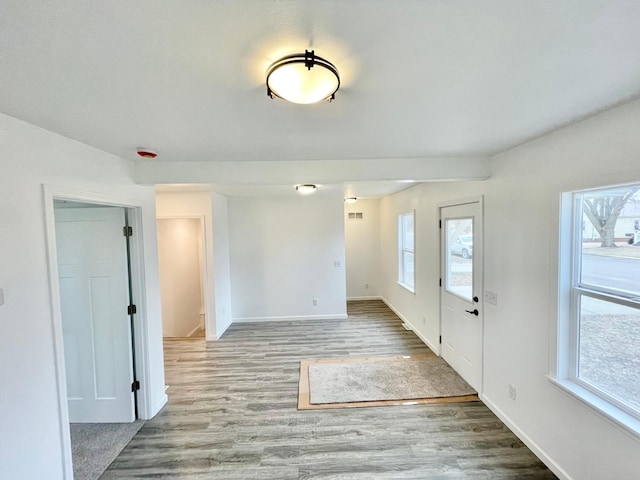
473, 312
475, 299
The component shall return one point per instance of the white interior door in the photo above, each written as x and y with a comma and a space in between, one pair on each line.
94, 295
461, 291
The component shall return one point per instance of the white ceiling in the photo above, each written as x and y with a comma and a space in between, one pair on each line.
360, 190
420, 79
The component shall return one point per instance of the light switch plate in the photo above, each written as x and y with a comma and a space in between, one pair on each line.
490, 297
1, 296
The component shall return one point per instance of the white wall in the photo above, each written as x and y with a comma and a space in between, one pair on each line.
181, 264
30, 428
521, 244
283, 251
221, 263
362, 244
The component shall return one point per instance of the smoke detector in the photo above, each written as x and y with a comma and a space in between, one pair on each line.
146, 153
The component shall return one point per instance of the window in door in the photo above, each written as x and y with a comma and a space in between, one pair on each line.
459, 257
406, 251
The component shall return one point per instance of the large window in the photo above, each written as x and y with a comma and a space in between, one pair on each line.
600, 344
406, 253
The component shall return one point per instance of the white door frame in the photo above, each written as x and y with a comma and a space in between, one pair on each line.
51, 193
204, 268
453, 203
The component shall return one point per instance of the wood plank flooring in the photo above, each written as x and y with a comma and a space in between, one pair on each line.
232, 414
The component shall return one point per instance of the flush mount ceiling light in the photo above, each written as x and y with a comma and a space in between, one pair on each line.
351, 200
303, 78
306, 189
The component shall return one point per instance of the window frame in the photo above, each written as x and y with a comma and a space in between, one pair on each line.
402, 249
571, 290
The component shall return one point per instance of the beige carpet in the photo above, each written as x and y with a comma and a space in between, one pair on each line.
95, 445
337, 383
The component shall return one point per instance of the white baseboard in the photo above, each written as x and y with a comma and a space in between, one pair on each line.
158, 406
198, 327
393, 309
373, 297
435, 349
533, 446
338, 316
222, 330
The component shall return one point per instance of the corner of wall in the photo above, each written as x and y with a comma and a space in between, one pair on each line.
160, 403
221, 329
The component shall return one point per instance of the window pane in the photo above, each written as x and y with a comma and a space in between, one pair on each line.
459, 254
407, 258
611, 239
407, 226
609, 349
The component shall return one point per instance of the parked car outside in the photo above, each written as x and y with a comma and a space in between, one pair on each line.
463, 246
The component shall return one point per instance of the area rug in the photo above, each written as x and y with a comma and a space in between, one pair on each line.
379, 381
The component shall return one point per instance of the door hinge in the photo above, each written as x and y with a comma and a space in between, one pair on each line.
440, 339
440, 282
439, 223
135, 385
132, 310
127, 231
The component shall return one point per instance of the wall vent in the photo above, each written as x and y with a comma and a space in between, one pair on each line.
355, 216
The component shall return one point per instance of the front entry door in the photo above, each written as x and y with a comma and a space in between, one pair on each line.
461, 319
94, 295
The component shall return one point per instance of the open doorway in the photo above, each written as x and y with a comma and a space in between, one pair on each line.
96, 278
93, 259
181, 268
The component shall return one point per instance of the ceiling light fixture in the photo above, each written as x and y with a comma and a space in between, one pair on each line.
351, 200
306, 189
303, 78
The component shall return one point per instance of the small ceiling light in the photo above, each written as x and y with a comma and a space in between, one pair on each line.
351, 200
306, 189
146, 153
303, 78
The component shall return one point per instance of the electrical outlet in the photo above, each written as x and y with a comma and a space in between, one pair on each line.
366, 286
315, 302
424, 319
490, 297
512, 392
337, 263
1, 297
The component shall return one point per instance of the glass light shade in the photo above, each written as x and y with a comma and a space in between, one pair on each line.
351, 200
303, 79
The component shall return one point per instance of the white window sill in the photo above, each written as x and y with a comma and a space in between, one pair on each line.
619, 417
404, 285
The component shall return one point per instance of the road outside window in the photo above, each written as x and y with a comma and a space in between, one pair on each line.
604, 350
